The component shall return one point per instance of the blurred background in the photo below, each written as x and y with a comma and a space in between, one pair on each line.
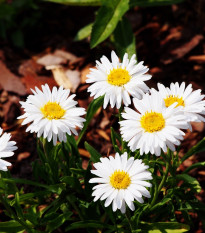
42, 42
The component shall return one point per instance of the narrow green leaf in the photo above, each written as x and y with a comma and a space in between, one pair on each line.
57, 222
160, 227
73, 182
95, 156
74, 148
150, 3
78, 171
199, 147
57, 188
11, 226
161, 203
29, 196
89, 224
196, 165
114, 136
84, 32
18, 208
190, 181
92, 109
124, 39
107, 19
77, 2
24, 181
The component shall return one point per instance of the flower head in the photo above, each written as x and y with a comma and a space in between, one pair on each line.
6, 149
118, 80
122, 180
153, 127
52, 114
191, 101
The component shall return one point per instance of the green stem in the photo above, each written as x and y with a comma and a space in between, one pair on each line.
120, 119
72, 203
14, 216
164, 178
52, 176
127, 214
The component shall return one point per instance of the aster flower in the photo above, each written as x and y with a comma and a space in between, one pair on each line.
118, 80
6, 149
122, 181
52, 114
153, 127
191, 101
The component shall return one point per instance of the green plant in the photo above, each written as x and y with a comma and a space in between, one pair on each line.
111, 21
13, 19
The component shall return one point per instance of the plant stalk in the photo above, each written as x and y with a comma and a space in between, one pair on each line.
164, 178
12, 213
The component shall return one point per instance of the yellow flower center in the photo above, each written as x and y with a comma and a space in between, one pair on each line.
52, 110
120, 180
118, 77
172, 99
152, 122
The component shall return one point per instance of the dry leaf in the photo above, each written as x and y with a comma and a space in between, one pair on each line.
103, 134
11, 82
84, 73
23, 155
198, 58
30, 78
84, 153
74, 78
182, 50
60, 76
51, 59
65, 55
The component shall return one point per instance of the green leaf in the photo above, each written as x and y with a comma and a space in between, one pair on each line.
200, 147
95, 156
57, 222
57, 188
29, 196
77, 2
89, 224
73, 182
150, 3
78, 171
11, 226
161, 227
84, 32
17, 206
92, 109
190, 181
161, 203
193, 166
114, 137
107, 19
124, 39
24, 181
74, 148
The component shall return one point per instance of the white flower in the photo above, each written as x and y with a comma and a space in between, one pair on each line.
155, 127
6, 149
191, 101
121, 181
117, 80
52, 114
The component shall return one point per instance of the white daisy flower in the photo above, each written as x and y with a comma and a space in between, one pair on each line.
121, 181
154, 127
118, 80
52, 114
191, 101
6, 149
